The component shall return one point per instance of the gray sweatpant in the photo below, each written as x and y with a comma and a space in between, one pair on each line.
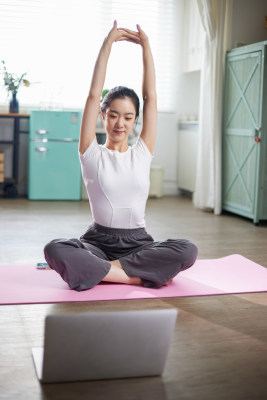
84, 262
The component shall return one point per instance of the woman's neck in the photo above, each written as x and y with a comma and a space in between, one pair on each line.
118, 146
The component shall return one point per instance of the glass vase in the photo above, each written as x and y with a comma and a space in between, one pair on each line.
14, 104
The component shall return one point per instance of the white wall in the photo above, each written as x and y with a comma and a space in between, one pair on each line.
188, 91
166, 150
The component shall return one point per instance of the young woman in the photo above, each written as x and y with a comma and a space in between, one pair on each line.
116, 247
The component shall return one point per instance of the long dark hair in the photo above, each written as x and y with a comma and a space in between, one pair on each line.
121, 92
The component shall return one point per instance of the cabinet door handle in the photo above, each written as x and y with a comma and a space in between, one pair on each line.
41, 149
257, 135
42, 131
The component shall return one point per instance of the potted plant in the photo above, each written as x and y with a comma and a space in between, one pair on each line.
12, 83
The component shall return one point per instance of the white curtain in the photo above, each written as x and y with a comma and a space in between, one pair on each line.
216, 21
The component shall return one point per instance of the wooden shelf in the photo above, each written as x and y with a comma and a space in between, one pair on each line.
14, 115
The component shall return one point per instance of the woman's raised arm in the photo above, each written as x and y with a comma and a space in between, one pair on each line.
91, 109
149, 129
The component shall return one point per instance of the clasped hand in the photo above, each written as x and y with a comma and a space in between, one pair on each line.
122, 34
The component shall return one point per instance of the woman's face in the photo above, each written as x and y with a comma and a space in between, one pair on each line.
119, 119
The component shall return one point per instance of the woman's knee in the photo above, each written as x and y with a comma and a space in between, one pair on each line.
186, 251
190, 255
51, 250
192, 251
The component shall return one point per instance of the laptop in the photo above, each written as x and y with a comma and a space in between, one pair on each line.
104, 345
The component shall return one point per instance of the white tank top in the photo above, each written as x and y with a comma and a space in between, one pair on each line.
117, 184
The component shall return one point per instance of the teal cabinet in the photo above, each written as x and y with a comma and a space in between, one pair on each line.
54, 167
244, 160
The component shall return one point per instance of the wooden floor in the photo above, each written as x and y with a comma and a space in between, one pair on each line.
219, 349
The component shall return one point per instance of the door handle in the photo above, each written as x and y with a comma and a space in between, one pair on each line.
257, 135
41, 149
42, 131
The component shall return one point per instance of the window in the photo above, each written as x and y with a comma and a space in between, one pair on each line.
57, 41
194, 37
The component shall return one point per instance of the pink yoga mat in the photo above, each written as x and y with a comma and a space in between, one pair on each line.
22, 284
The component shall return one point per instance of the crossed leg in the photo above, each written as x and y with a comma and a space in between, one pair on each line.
83, 266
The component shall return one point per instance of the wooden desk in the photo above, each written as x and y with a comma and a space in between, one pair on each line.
11, 186
219, 351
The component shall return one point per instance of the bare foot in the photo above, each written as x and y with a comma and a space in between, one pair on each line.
116, 274
168, 283
116, 263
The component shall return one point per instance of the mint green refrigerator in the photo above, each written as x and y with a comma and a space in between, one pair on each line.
54, 167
